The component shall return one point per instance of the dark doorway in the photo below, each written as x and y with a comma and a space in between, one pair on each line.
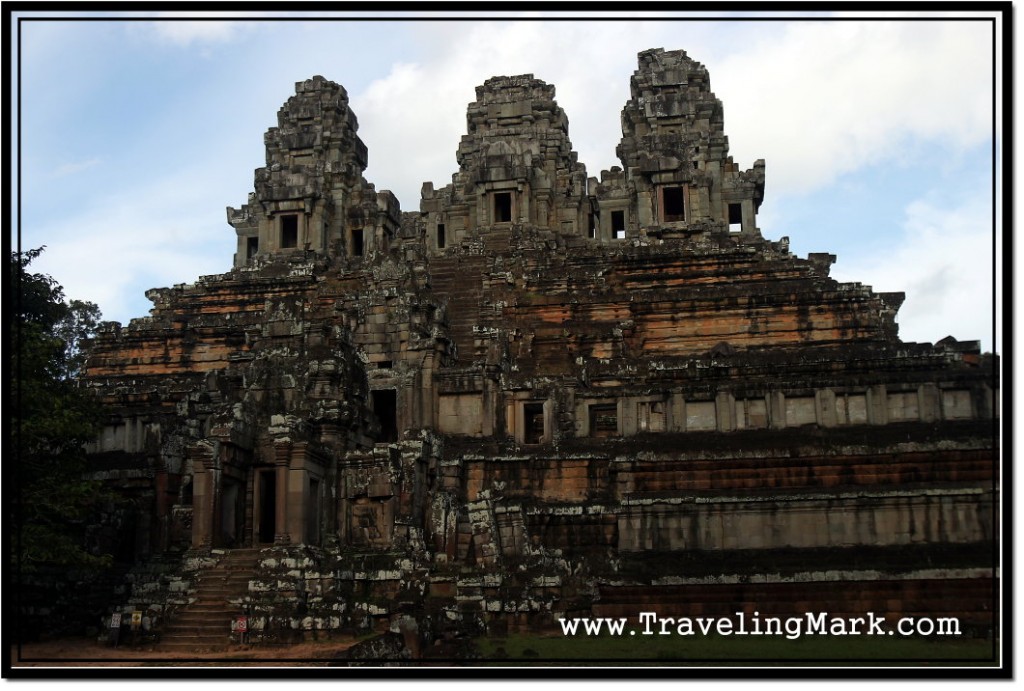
231, 513
619, 225
673, 199
385, 407
735, 218
268, 514
357, 242
289, 231
440, 236
502, 207
533, 414
252, 246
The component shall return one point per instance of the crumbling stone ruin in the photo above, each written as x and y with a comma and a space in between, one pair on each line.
542, 393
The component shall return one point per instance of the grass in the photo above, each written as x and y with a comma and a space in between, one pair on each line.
717, 650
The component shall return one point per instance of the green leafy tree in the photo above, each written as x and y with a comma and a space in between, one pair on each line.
53, 420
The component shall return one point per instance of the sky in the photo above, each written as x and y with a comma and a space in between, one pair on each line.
137, 131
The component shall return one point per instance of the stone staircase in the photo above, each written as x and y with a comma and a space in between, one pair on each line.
205, 623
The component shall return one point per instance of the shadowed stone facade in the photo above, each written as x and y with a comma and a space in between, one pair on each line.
542, 393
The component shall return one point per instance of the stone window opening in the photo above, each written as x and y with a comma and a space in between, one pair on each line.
357, 242
440, 236
385, 407
673, 207
289, 231
604, 420
252, 246
735, 218
533, 423
619, 225
502, 207
384, 364
591, 226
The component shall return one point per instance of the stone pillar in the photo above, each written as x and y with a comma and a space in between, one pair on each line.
725, 411
490, 404
748, 226
826, 407
878, 405
986, 406
543, 211
522, 198
159, 537
677, 417
626, 413
297, 504
777, 410
929, 402
204, 493
483, 210
701, 208
202, 507
645, 215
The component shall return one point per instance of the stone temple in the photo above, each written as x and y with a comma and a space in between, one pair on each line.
541, 393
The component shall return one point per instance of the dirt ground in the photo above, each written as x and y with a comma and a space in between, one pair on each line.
85, 652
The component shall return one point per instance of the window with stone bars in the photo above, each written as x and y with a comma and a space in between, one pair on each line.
604, 420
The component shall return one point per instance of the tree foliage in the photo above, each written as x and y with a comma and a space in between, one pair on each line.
53, 420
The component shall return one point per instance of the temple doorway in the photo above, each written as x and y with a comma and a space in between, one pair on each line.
267, 509
232, 513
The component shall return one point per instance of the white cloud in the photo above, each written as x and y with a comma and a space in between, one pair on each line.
413, 118
135, 239
821, 99
184, 33
217, 27
815, 99
943, 262
74, 167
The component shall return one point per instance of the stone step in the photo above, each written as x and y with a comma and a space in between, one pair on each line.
190, 619
213, 595
237, 576
209, 606
221, 596
217, 587
187, 622
205, 624
229, 569
206, 644
232, 586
